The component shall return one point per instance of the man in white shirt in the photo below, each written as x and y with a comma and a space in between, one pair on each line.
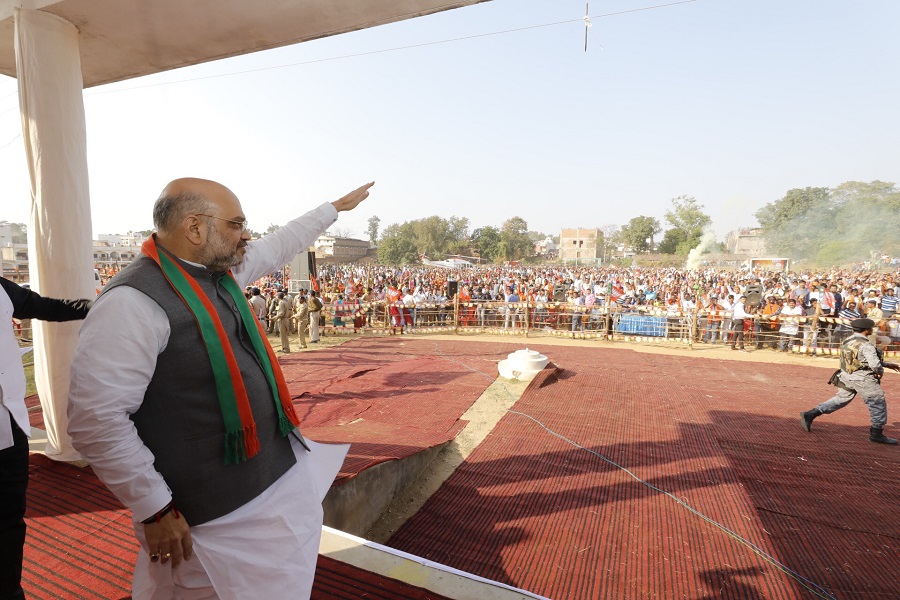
20, 303
738, 315
136, 414
790, 324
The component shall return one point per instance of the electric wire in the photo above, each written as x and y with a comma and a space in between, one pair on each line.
394, 49
18, 135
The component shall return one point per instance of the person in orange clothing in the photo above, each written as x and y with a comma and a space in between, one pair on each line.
714, 313
466, 312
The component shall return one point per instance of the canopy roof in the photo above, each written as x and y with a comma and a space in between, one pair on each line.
121, 39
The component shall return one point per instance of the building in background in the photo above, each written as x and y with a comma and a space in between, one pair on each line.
334, 250
114, 252
745, 242
581, 246
547, 249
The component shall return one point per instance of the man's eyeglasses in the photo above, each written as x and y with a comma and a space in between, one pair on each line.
242, 224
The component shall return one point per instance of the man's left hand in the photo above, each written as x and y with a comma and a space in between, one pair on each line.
352, 200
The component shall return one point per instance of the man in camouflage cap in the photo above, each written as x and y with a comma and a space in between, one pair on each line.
861, 370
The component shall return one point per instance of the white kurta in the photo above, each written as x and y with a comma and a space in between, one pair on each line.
114, 362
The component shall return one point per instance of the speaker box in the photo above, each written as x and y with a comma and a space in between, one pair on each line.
754, 294
302, 265
452, 287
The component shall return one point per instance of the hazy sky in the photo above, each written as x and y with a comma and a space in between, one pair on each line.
733, 102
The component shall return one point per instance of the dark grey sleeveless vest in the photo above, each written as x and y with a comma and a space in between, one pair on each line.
180, 420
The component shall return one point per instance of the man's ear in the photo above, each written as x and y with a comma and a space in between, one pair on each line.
194, 230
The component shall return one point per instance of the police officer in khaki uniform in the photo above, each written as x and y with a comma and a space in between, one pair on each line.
861, 370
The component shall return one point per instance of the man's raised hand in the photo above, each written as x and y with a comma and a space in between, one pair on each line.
352, 200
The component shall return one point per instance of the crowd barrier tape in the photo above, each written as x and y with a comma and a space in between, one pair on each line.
608, 322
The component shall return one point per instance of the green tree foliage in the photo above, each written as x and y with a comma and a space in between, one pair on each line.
395, 247
433, 236
688, 221
485, 241
672, 239
638, 233
834, 226
790, 225
372, 230
515, 243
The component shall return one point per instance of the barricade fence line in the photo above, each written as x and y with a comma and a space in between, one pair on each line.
818, 335
815, 335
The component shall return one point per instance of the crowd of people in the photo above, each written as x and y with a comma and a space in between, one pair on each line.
740, 307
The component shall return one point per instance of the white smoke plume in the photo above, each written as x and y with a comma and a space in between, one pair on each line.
707, 243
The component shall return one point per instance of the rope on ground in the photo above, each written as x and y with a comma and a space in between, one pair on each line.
811, 587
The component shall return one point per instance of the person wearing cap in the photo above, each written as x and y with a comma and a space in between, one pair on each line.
862, 368
258, 304
301, 316
283, 318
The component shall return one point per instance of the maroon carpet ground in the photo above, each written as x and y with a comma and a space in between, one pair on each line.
80, 545
388, 399
529, 509
532, 510
371, 394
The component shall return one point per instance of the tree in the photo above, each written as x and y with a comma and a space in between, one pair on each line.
611, 239
515, 243
372, 230
395, 247
639, 232
486, 242
434, 236
341, 232
672, 239
790, 225
834, 226
688, 222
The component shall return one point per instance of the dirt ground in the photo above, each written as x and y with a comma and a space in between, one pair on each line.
487, 411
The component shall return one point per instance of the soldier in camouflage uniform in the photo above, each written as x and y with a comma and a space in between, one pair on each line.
861, 370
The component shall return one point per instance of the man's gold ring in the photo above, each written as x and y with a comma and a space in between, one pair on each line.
167, 555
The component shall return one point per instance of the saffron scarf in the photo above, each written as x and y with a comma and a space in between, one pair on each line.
241, 441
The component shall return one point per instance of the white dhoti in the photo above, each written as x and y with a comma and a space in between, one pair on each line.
264, 549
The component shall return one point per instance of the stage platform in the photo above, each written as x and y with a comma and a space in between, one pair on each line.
618, 474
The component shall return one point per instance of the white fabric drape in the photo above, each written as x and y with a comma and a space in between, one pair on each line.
48, 67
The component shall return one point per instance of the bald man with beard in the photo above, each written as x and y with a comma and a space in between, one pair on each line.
178, 403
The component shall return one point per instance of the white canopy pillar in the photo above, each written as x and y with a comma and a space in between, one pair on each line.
48, 66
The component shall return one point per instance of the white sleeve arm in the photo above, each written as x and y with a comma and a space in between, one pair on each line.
277, 249
114, 361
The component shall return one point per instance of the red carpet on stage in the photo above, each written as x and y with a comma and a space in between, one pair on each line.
386, 402
531, 509
80, 545
539, 504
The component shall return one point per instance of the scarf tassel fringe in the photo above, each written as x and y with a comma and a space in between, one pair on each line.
241, 445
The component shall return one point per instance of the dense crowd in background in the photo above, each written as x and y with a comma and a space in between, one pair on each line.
782, 310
